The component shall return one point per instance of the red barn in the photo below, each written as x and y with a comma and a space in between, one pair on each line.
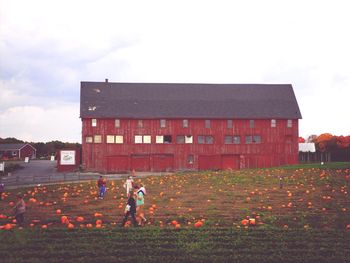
17, 151
164, 127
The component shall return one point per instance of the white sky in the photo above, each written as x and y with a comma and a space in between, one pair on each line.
48, 47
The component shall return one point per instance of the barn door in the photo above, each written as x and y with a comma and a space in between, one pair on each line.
140, 162
230, 162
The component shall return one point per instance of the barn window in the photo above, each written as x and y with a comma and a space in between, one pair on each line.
110, 139
93, 122
159, 139
162, 123
147, 139
209, 139
163, 139
256, 139
207, 124
201, 139
228, 139
188, 139
248, 139
229, 124
190, 159
119, 139
232, 139
117, 123
139, 124
273, 123
180, 139
289, 123
97, 138
138, 138
185, 123
205, 139
251, 124
167, 138
88, 139
236, 139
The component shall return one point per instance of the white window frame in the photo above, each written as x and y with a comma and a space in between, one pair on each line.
289, 123
110, 139
138, 139
159, 139
188, 139
147, 139
273, 123
185, 123
97, 138
89, 139
162, 123
93, 122
119, 139
117, 123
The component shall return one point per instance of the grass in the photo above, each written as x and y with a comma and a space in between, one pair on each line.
308, 220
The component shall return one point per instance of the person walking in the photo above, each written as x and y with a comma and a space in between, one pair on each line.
101, 184
140, 203
130, 209
128, 185
19, 210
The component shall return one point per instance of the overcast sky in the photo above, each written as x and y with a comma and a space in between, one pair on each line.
48, 47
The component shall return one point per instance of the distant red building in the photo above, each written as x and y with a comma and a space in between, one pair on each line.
165, 127
17, 151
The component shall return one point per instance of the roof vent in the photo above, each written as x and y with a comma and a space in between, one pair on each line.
106, 80
92, 108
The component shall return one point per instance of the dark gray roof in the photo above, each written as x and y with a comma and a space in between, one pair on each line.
164, 100
13, 146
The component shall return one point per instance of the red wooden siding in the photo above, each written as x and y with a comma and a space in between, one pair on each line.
278, 146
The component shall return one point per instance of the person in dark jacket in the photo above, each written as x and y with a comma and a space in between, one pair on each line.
130, 209
101, 184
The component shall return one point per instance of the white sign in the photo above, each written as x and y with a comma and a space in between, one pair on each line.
52, 158
2, 167
67, 157
26, 159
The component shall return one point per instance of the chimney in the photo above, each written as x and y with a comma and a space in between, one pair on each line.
106, 80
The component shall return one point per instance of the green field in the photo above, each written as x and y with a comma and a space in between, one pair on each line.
307, 220
169, 245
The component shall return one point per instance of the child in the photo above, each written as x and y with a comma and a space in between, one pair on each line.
128, 185
101, 184
140, 203
130, 209
19, 210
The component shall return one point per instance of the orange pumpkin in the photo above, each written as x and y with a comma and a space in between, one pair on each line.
80, 219
174, 222
70, 226
198, 224
58, 211
245, 222
64, 219
252, 221
8, 226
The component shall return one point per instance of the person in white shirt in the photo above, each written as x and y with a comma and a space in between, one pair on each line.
128, 185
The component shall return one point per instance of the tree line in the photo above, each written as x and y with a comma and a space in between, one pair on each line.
43, 150
335, 148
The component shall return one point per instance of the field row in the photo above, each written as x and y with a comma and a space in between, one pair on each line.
184, 245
